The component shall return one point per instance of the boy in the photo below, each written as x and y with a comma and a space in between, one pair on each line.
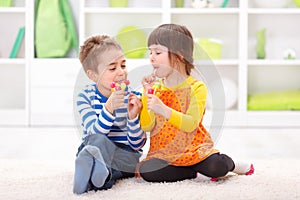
112, 136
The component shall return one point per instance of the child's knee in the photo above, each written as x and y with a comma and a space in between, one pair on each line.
98, 140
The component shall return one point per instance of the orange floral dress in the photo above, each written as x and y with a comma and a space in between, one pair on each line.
169, 140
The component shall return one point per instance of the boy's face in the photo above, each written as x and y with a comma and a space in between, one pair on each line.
159, 58
112, 68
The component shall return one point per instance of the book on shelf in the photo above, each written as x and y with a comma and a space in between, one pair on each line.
18, 42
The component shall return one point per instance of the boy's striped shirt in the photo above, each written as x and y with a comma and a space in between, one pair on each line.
97, 120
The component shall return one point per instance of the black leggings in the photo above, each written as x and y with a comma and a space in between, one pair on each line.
157, 170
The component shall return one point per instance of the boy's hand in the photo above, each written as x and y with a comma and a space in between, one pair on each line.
134, 106
115, 101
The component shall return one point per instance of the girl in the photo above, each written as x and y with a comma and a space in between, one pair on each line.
112, 135
180, 146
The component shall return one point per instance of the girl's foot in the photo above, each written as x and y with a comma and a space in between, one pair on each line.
242, 168
214, 179
251, 170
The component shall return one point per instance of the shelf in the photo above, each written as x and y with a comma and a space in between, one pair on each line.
274, 62
222, 62
265, 11
10, 32
227, 32
119, 21
28, 83
13, 10
13, 86
262, 119
18, 61
267, 78
280, 37
204, 11
123, 10
131, 4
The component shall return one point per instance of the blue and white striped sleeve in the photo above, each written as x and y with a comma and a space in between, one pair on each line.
93, 124
135, 135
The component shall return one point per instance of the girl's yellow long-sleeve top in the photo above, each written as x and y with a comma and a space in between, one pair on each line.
182, 140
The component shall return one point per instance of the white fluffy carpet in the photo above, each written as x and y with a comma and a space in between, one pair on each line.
30, 180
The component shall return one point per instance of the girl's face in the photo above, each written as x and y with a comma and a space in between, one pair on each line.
159, 58
112, 68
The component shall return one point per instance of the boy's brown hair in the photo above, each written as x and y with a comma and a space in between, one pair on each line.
93, 48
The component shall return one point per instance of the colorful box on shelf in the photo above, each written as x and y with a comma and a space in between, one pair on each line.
208, 48
5, 3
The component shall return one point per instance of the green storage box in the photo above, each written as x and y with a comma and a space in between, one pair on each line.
280, 100
208, 48
5, 3
118, 3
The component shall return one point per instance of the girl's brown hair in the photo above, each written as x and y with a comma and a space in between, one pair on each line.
93, 48
179, 41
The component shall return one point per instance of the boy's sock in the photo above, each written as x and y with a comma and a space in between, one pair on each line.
243, 168
100, 171
83, 168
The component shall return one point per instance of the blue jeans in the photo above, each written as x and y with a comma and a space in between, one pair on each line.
120, 159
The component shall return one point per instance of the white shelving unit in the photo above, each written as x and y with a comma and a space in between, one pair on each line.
273, 73
14, 105
33, 91
41, 90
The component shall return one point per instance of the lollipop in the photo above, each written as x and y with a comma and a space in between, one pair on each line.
150, 91
119, 85
155, 87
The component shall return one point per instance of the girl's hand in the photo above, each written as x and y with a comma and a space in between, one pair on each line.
148, 81
134, 106
157, 106
115, 101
